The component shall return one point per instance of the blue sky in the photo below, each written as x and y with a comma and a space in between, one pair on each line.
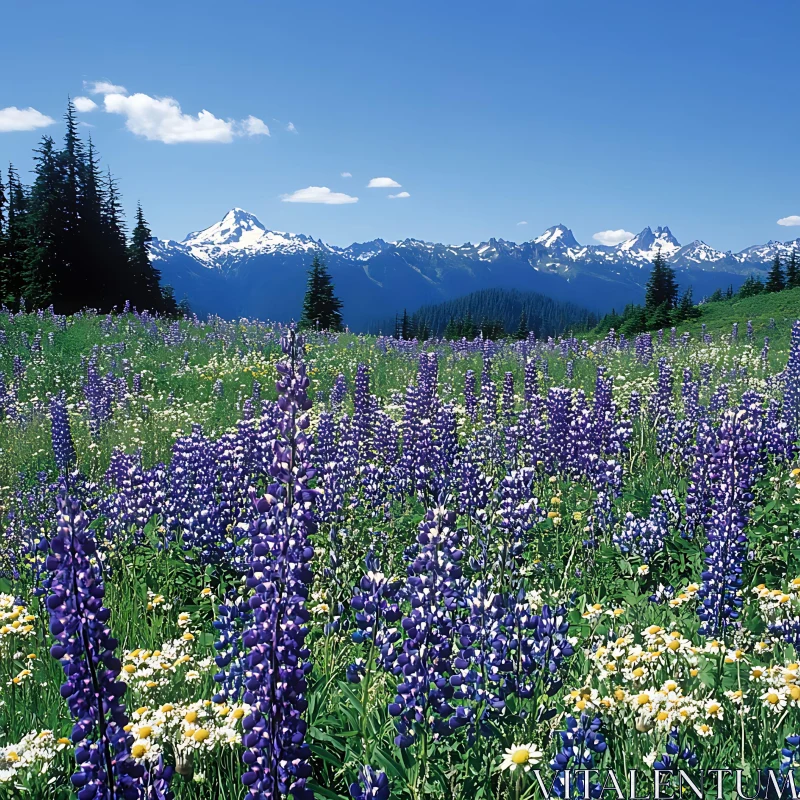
600, 115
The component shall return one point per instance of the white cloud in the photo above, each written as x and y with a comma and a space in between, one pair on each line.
291, 128
84, 104
523, 222
790, 222
347, 174
318, 194
22, 119
161, 119
613, 237
399, 196
253, 126
103, 87
383, 183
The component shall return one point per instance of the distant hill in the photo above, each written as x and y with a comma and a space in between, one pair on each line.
544, 315
783, 307
719, 317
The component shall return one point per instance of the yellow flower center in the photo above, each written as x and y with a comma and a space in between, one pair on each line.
521, 755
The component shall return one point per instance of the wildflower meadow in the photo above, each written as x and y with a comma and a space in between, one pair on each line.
244, 561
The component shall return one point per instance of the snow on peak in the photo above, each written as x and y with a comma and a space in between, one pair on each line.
237, 226
559, 235
239, 235
647, 243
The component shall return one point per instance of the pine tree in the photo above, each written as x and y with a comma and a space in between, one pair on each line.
3, 239
69, 282
751, 287
93, 272
44, 271
145, 289
793, 271
662, 288
405, 326
686, 309
522, 328
118, 272
17, 238
321, 307
776, 281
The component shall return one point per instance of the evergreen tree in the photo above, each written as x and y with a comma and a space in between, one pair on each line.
118, 272
321, 307
522, 328
776, 281
3, 238
492, 329
659, 318
634, 321
144, 287
751, 287
662, 288
793, 271
686, 308
17, 238
405, 326
169, 306
92, 270
68, 282
44, 270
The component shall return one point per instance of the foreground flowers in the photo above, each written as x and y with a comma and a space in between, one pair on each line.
522, 756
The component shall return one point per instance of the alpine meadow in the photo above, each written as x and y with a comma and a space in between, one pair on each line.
429, 499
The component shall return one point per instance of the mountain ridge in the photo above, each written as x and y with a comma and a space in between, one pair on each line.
224, 267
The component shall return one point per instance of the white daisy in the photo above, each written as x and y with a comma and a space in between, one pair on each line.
520, 755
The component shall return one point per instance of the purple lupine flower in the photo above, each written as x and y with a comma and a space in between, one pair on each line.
376, 605
85, 647
63, 446
791, 383
488, 400
733, 468
276, 756
423, 662
646, 537
363, 408
508, 396
581, 741
338, 392
674, 754
470, 400
371, 785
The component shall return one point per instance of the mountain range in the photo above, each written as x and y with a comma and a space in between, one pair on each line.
237, 267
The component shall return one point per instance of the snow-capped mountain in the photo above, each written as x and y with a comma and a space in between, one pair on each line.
238, 267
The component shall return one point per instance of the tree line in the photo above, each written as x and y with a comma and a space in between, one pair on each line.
63, 238
494, 314
662, 307
778, 279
